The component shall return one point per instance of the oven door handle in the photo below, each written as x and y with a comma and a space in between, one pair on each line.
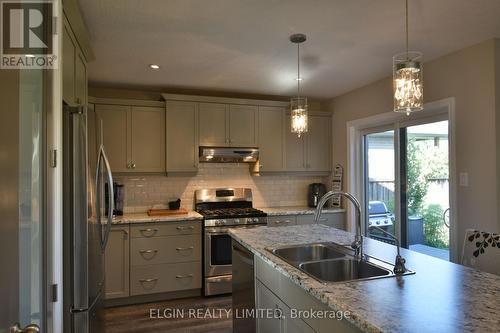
217, 232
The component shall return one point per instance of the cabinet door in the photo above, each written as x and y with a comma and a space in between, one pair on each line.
213, 124
271, 138
116, 259
80, 80
308, 219
243, 125
68, 67
182, 136
294, 149
114, 134
265, 300
147, 128
318, 144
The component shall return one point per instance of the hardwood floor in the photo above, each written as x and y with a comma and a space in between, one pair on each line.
136, 318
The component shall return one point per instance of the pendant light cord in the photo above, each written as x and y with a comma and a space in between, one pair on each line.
298, 70
407, 34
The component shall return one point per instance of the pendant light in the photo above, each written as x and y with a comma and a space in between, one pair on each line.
408, 79
298, 105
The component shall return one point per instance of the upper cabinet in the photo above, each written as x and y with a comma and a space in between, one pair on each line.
147, 139
312, 151
227, 125
182, 136
133, 137
243, 125
271, 138
213, 125
151, 136
76, 52
74, 70
319, 144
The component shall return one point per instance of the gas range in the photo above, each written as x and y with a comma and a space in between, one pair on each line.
223, 209
228, 207
233, 216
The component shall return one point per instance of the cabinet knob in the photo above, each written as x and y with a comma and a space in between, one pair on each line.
133, 165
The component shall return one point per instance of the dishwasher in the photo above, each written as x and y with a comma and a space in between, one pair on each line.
243, 289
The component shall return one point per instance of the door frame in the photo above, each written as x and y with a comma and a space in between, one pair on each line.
433, 111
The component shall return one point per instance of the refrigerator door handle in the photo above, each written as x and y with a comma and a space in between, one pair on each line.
111, 198
101, 156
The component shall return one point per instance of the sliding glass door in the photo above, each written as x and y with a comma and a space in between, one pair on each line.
406, 185
380, 181
427, 193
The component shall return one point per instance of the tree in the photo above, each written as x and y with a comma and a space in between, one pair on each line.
417, 184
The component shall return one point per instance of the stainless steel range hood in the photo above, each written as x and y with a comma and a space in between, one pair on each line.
228, 155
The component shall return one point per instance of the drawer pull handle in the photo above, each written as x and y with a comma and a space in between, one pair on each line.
185, 228
150, 232
152, 254
323, 220
148, 280
184, 276
280, 222
184, 248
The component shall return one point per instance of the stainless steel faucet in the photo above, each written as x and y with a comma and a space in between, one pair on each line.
357, 244
399, 264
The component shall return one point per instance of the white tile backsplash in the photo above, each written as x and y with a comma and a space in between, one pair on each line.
142, 192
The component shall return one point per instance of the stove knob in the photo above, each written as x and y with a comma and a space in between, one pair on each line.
256, 219
236, 221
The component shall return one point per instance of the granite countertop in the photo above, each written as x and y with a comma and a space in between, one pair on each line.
145, 218
440, 297
297, 210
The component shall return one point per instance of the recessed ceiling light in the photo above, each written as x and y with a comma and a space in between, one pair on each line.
154, 66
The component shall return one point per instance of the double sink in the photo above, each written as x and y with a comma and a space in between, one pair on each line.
331, 262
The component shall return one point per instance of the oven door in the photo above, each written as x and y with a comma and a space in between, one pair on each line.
217, 251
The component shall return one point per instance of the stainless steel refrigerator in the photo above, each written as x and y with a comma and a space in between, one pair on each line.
86, 225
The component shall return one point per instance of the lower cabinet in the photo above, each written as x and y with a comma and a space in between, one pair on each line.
117, 263
160, 278
281, 221
156, 258
336, 220
280, 318
285, 307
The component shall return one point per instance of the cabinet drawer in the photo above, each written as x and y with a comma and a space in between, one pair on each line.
149, 230
336, 220
280, 221
167, 249
164, 278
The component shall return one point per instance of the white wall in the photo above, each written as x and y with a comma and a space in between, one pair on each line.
469, 76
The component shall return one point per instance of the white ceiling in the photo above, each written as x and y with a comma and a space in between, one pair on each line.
242, 45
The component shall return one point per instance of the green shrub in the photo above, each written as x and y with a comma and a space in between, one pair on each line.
436, 232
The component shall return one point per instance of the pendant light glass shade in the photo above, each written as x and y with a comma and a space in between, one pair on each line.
298, 108
408, 82
298, 105
407, 78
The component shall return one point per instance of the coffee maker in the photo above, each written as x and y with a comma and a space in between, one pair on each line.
314, 194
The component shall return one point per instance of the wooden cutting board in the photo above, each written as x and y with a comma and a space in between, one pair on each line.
167, 212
